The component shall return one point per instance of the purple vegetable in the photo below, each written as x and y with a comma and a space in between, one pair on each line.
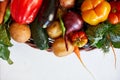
72, 22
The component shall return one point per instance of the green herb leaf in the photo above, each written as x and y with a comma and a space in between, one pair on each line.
4, 38
4, 43
96, 33
4, 52
115, 35
102, 35
7, 14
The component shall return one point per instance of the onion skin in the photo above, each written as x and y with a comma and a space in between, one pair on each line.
72, 21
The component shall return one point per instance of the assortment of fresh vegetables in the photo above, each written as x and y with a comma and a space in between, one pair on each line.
61, 26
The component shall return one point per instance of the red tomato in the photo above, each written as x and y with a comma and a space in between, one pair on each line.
79, 39
114, 16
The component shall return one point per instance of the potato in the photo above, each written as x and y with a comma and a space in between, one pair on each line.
67, 3
20, 32
59, 47
54, 29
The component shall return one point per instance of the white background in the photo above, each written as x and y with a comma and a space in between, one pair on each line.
34, 64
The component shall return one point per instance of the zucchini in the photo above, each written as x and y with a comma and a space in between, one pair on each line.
47, 12
40, 37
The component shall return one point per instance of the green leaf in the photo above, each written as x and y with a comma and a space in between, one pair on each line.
98, 36
7, 14
115, 35
104, 44
4, 38
4, 52
97, 33
103, 34
5, 43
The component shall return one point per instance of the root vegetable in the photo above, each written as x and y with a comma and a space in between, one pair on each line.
72, 21
67, 3
59, 47
19, 32
54, 30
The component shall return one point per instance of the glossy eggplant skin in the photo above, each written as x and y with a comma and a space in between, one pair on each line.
47, 12
45, 16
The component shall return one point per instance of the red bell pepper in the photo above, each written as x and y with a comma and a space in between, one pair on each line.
25, 11
79, 39
114, 15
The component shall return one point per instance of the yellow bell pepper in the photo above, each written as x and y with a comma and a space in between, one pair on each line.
95, 11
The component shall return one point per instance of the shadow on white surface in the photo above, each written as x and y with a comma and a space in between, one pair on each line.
34, 64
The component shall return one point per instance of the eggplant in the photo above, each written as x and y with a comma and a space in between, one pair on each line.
45, 15
47, 12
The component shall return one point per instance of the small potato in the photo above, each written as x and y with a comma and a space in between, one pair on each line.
54, 30
59, 47
20, 32
67, 3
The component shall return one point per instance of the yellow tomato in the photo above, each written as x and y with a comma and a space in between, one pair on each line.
95, 11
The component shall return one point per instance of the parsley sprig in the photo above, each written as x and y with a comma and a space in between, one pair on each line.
104, 35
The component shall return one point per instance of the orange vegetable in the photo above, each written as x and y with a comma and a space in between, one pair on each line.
3, 6
79, 39
77, 52
95, 11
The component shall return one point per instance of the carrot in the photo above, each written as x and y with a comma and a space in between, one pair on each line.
77, 52
3, 6
115, 58
114, 53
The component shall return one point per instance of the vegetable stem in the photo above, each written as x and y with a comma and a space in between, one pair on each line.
10, 61
62, 25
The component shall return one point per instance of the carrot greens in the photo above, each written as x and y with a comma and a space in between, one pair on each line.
103, 35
